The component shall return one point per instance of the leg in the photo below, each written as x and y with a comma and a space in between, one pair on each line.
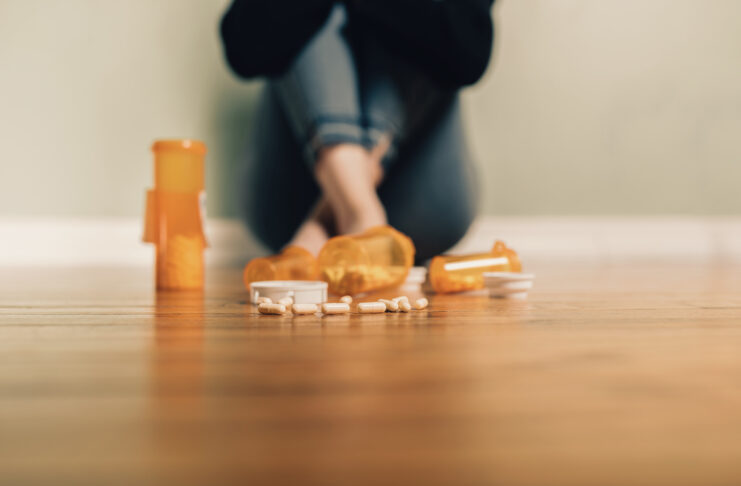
397, 100
319, 94
429, 192
312, 112
280, 190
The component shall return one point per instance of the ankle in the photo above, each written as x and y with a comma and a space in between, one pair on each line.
345, 174
358, 219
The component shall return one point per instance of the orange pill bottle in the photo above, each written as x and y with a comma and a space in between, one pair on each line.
293, 263
175, 214
450, 273
375, 259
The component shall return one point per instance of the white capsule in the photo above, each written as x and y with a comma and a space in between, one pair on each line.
400, 298
420, 304
268, 308
346, 299
336, 308
371, 307
405, 306
263, 300
286, 301
305, 308
391, 306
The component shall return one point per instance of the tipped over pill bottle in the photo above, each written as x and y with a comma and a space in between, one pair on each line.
175, 214
450, 273
293, 263
375, 259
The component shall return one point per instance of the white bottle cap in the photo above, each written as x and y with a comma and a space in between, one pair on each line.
417, 275
508, 285
415, 279
302, 291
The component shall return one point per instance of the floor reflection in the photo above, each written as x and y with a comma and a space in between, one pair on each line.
177, 370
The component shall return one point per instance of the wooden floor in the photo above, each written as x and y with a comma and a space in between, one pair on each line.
606, 375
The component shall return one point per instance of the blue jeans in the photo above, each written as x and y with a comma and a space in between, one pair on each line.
345, 88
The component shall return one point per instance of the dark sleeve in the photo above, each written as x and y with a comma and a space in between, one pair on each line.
261, 37
449, 39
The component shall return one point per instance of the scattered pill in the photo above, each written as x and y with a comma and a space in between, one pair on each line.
371, 307
336, 308
286, 301
264, 300
346, 299
405, 306
391, 306
305, 308
420, 304
269, 308
400, 298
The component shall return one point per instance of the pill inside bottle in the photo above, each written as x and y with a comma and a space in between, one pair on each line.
375, 259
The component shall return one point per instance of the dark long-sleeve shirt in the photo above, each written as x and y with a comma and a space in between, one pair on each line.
450, 40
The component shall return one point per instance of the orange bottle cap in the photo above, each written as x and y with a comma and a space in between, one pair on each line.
183, 144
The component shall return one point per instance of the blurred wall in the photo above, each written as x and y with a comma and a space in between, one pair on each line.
87, 85
622, 107
591, 106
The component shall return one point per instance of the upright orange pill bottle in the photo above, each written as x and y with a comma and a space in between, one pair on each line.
375, 259
175, 214
293, 263
451, 273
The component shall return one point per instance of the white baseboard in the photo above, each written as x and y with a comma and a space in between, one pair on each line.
117, 242
613, 239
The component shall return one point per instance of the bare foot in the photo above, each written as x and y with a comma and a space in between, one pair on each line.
347, 176
316, 230
311, 235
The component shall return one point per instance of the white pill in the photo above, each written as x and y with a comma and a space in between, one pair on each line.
264, 300
346, 299
305, 308
268, 308
420, 304
371, 307
391, 306
286, 301
400, 298
405, 306
336, 308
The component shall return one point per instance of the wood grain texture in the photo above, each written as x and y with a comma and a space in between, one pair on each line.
605, 375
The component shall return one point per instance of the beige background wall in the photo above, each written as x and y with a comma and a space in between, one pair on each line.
592, 106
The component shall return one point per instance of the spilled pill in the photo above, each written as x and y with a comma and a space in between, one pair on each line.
264, 300
286, 301
336, 308
405, 306
269, 308
371, 307
400, 298
391, 306
346, 299
305, 308
420, 304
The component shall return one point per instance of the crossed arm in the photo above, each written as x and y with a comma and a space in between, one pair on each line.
449, 39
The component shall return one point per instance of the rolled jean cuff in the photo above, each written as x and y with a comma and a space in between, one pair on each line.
333, 131
375, 131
